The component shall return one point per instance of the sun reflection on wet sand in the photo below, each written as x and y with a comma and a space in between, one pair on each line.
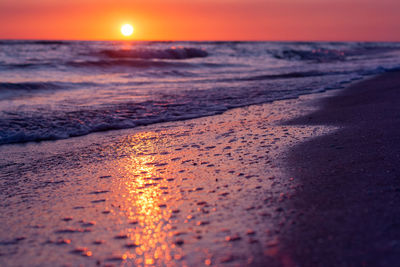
145, 208
200, 192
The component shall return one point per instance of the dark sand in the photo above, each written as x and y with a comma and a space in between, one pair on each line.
349, 201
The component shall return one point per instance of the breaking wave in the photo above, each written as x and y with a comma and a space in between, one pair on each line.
318, 55
170, 53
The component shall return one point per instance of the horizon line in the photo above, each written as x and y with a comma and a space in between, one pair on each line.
198, 40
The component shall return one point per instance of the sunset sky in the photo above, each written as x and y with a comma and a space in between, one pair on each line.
363, 20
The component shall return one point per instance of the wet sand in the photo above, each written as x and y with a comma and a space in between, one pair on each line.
208, 191
252, 186
350, 192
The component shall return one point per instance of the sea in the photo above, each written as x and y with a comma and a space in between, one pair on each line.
53, 90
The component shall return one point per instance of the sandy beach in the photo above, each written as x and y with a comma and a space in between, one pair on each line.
311, 181
350, 180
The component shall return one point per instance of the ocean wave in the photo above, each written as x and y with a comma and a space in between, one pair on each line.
32, 86
316, 55
323, 52
39, 42
4, 66
153, 82
306, 74
109, 63
20, 126
170, 53
135, 63
286, 76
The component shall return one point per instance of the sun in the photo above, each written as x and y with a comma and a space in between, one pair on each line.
127, 30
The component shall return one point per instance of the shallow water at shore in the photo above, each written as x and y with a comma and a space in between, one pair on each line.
57, 90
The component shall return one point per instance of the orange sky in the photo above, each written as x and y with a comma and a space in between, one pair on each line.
365, 20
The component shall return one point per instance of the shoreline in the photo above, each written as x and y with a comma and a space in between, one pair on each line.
197, 192
208, 191
340, 85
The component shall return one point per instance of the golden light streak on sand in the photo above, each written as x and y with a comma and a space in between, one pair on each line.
144, 206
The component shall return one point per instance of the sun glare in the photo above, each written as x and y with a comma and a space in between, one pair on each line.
127, 30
